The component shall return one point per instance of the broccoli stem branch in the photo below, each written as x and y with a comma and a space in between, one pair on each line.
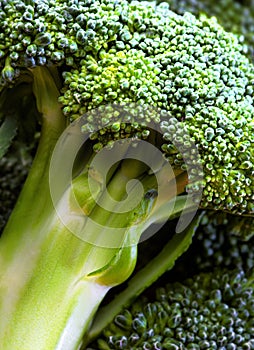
142, 279
26, 218
51, 281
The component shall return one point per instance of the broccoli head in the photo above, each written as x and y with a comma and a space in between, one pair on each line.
235, 16
212, 310
131, 70
125, 52
190, 68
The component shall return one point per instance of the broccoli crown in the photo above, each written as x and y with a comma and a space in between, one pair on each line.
194, 70
209, 311
124, 52
234, 16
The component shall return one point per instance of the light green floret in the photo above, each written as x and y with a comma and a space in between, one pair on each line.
116, 76
194, 70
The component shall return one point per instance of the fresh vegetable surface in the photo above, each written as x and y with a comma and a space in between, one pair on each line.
139, 115
204, 302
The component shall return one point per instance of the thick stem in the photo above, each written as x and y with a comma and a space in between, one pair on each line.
52, 281
58, 300
22, 238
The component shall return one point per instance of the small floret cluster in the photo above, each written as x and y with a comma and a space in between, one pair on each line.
124, 52
234, 16
222, 241
217, 243
209, 311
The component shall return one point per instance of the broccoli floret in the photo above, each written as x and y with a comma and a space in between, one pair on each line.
194, 70
217, 244
187, 82
212, 310
235, 16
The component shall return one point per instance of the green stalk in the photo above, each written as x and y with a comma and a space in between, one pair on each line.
51, 281
60, 297
24, 234
142, 279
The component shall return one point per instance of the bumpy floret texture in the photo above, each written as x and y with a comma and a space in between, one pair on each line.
222, 248
217, 243
235, 16
125, 52
34, 33
222, 241
195, 71
208, 311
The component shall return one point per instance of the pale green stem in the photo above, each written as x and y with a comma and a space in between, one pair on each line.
161, 263
51, 281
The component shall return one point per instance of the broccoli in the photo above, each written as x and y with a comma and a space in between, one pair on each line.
114, 71
211, 310
216, 243
235, 16
215, 257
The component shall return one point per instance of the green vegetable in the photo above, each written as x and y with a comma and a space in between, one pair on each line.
207, 311
217, 243
214, 248
138, 74
235, 16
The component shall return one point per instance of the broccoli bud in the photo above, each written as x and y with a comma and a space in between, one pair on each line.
183, 84
206, 311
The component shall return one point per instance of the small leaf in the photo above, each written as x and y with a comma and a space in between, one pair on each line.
8, 131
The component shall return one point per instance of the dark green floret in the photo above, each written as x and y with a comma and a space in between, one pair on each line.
209, 311
219, 246
223, 241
